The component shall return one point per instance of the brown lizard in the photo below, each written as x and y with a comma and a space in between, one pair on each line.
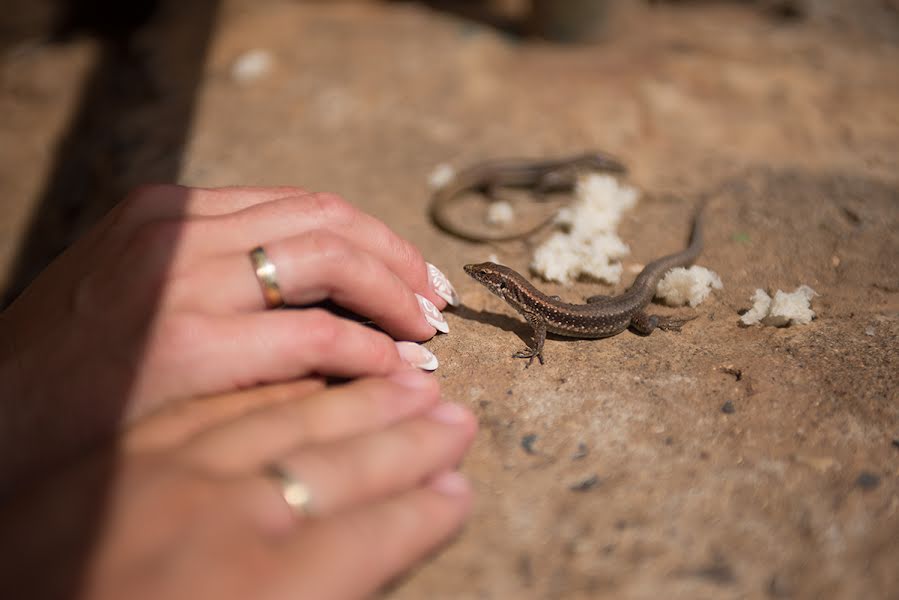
601, 316
540, 176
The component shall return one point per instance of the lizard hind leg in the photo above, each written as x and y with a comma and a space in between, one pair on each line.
644, 323
530, 354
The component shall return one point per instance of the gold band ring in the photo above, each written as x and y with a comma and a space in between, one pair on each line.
295, 493
268, 278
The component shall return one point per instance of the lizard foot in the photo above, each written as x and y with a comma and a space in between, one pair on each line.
672, 324
530, 354
645, 324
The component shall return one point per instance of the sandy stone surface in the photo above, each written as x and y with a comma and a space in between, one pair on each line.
719, 462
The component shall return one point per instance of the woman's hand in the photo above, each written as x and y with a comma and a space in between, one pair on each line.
160, 301
182, 508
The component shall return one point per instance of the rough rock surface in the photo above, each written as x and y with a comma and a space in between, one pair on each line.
720, 462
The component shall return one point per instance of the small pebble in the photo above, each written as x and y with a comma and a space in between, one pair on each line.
585, 484
867, 480
728, 408
720, 573
870, 331
527, 443
581, 451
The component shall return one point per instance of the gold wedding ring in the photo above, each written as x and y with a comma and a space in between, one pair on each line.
295, 493
268, 278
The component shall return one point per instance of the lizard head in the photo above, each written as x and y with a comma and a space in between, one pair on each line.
494, 277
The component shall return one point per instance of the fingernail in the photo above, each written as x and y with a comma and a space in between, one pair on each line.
442, 286
432, 315
451, 483
417, 355
411, 378
449, 413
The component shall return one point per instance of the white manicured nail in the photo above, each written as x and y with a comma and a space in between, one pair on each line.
432, 315
417, 355
442, 287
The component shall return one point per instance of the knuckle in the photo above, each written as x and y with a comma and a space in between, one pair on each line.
321, 329
142, 196
179, 332
378, 349
290, 191
327, 245
330, 207
384, 353
407, 254
155, 236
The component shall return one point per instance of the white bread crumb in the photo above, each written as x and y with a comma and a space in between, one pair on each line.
590, 245
440, 176
761, 304
785, 309
499, 213
691, 286
562, 258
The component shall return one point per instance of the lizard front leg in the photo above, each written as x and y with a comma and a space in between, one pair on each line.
535, 350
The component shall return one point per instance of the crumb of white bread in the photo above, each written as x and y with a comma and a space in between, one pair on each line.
440, 176
499, 213
784, 309
589, 245
691, 286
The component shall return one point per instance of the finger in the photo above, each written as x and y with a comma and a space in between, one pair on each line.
155, 202
310, 268
354, 471
265, 222
338, 412
374, 543
359, 470
179, 421
213, 354
165, 219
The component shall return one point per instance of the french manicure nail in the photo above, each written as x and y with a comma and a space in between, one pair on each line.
432, 315
449, 413
450, 483
442, 286
417, 355
412, 378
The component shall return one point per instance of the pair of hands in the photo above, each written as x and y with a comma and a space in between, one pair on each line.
159, 303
